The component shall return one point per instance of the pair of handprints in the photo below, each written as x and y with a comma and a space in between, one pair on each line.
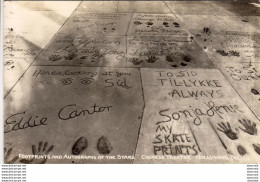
56, 57
249, 127
136, 61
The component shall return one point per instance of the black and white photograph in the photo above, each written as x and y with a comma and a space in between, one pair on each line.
131, 82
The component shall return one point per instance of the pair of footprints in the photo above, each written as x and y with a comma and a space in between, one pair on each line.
103, 145
249, 127
42, 150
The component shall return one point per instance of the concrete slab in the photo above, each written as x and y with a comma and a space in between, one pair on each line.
245, 78
143, 7
193, 115
87, 111
156, 24
82, 50
97, 23
165, 52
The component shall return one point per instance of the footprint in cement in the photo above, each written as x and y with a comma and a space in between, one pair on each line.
206, 30
80, 145
149, 24
241, 150
257, 148
176, 24
104, 146
254, 91
166, 24
179, 59
137, 23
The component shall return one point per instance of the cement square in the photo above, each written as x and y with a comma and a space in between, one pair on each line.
165, 52
245, 78
191, 115
156, 24
65, 106
97, 23
82, 50
229, 46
